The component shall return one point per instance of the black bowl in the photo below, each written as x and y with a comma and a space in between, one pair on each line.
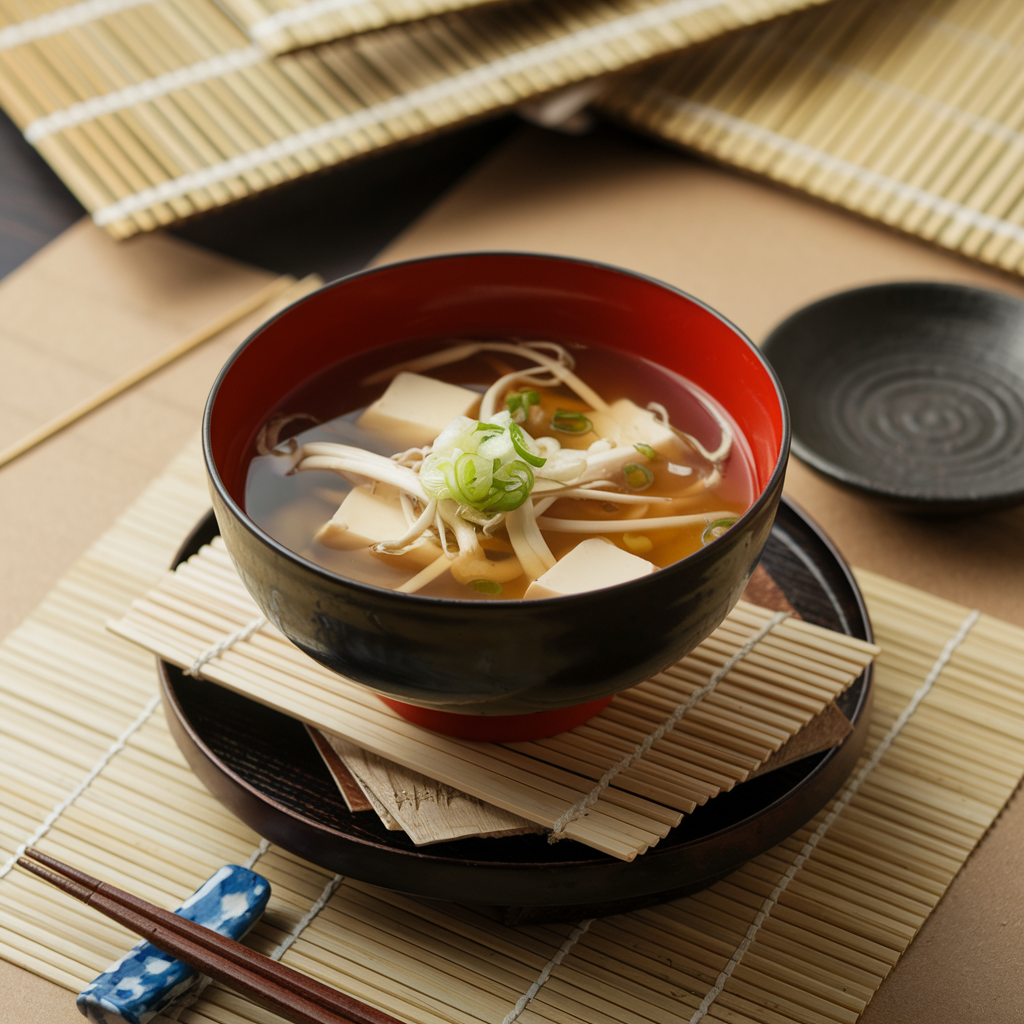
911, 392
499, 658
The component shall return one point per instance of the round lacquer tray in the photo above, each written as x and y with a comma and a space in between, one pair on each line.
263, 766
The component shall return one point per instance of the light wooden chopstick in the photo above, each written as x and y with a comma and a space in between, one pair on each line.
285, 287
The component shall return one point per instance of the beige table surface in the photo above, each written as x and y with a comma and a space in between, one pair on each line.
749, 250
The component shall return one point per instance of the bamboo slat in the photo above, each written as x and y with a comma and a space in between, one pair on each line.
154, 112
909, 114
68, 691
281, 27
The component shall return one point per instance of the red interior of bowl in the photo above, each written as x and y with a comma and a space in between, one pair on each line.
488, 296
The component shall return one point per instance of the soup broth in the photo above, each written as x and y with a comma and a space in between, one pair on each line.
677, 480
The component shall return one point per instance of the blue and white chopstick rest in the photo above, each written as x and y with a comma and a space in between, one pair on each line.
146, 980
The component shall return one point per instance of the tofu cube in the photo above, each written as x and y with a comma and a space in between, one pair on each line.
369, 515
626, 423
415, 409
593, 564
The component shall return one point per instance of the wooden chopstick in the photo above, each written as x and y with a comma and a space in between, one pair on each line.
284, 289
295, 996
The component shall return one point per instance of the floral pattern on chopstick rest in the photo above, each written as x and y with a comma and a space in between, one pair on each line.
146, 980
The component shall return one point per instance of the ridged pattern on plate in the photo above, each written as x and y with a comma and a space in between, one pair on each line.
945, 423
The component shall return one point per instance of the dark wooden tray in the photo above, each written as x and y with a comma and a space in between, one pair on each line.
263, 767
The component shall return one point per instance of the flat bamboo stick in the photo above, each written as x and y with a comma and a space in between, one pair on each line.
265, 295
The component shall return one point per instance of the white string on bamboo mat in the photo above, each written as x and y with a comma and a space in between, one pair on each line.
478, 77
321, 901
956, 211
111, 752
225, 645
257, 853
152, 88
847, 795
524, 1000
591, 798
54, 22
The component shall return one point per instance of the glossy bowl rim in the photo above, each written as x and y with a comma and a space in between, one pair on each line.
908, 500
770, 488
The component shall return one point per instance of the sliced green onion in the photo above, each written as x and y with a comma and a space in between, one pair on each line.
518, 404
511, 486
522, 446
645, 449
570, 422
482, 466
637, 477
715, 529
489, 587
473, 476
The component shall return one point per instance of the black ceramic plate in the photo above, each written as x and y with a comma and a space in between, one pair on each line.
913, 392
263, 767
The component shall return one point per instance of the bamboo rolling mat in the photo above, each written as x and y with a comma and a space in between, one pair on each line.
152, 112
805, 933
792, 673
907, 113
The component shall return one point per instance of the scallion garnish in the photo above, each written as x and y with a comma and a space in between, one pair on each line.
645, 449
715, 529
637, 477
524, 447
473, 476
510, 487
482, 466
570, 422
488, 587
518, 404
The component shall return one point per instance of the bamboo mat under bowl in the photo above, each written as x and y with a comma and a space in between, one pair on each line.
909, 113
263, 767
154, 111
804, 933
788, 673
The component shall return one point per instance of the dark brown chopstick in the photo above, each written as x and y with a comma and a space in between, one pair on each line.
296, 996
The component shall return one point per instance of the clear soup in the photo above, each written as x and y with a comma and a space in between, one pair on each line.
292, 507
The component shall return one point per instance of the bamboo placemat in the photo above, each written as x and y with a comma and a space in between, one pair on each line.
908, 113
747, 690
154, 111
805, 933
